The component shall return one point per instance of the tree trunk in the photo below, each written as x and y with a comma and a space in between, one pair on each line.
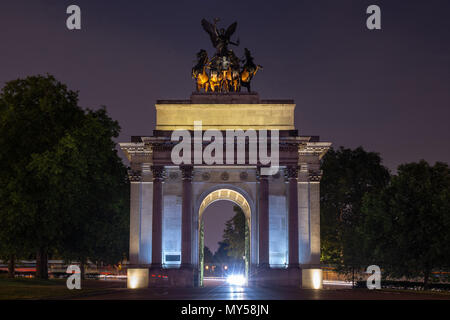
42, 264
353, 277
82, 268
11, 266
426, 277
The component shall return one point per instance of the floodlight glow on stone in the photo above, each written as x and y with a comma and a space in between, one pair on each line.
133, 282
137, 278
317, 279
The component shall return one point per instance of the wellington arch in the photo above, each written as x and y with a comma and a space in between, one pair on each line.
167, 200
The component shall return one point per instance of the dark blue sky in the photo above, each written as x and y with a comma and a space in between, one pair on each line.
387, 90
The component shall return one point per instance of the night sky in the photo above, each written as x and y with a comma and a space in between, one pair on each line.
387, 90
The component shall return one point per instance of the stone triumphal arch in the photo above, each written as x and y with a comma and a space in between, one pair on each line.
168, 199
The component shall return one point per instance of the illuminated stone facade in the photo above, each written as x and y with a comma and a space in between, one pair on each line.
167, 200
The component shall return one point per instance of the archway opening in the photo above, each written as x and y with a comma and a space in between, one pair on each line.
224, 236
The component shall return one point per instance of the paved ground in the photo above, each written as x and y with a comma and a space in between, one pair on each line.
215, 290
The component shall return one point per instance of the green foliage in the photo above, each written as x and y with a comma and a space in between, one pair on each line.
235, 233
407, 224
208, 255
35, 113
64, 188
89, 181
348, 175
221, 255
400, 223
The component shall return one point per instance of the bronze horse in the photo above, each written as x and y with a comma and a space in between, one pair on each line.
249, 70
199, 71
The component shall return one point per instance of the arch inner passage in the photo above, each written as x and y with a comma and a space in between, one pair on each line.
237, 198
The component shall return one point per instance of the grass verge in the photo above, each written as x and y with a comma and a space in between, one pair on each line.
34, 289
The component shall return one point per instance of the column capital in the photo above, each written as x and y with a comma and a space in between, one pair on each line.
187, 172
158, 172
315, 175
291, 172
135, 175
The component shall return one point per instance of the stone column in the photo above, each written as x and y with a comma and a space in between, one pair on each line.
263, 219
145, 252
314, 198
158, 176
303, 220
186, 218
291, 173
135, 215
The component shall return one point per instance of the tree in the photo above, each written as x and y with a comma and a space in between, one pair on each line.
408, 223
35, 113
92, 188
234, 234
65, 187
347, 176
208, 255
221, 255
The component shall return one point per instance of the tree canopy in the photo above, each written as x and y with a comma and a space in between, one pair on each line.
235, 233
64, 188
407, 225
400, 223
348, 175
208, 255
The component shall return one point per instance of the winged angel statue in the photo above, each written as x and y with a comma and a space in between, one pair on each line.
223, 73
220, 38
